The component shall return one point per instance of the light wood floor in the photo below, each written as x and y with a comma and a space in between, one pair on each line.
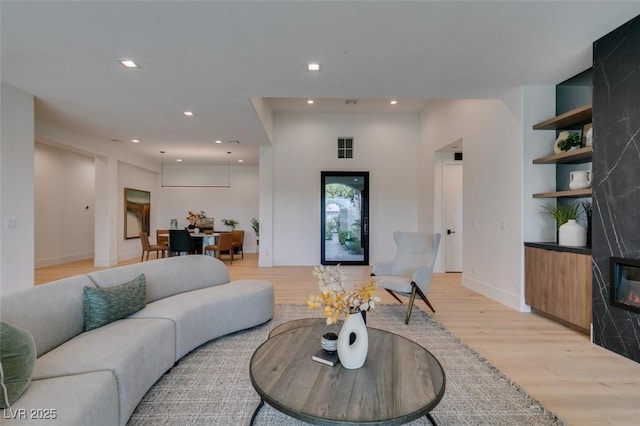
582, 383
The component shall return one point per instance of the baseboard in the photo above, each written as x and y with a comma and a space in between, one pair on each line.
133, 254
43, 263
105, 262
492, 293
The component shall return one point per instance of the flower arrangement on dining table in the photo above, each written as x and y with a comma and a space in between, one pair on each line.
335, 299
193, 217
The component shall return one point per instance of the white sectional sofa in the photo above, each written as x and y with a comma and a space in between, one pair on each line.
98, 377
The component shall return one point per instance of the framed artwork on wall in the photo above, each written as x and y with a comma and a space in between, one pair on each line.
137, 212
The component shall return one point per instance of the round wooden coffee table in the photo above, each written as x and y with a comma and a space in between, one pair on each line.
400, 381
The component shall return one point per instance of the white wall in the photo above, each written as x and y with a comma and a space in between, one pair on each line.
64, 205
492, 193
386, 145
539, 105
239, 202
16, 189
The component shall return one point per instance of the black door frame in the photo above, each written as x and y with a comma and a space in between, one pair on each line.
364, 217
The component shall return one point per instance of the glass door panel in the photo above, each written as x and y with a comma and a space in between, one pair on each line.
345, 218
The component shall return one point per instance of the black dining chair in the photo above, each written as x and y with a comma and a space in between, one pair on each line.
180, 242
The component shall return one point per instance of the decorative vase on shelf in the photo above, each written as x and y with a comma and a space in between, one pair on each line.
174, 224
564, 135
353, 353
572, 234
580, 179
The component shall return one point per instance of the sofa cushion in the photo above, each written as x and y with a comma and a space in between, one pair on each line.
138, 352
105, 305
53, 312
76, 400
166, 277
17, 358
202, 315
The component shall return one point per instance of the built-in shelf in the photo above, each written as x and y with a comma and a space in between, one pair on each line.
576, 156
566, 120
574, 193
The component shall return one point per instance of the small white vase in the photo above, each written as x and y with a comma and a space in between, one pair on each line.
572, 234
353, 355
580, 179
564, 135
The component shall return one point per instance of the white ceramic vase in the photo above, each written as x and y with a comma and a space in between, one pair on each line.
572, 234
580, 179
353, 355
561, 137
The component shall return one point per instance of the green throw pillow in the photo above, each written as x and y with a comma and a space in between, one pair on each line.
105, 305
17, 358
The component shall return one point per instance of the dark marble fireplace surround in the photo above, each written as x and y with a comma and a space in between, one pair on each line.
616, 181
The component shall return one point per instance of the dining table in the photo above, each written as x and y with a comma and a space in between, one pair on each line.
205, 239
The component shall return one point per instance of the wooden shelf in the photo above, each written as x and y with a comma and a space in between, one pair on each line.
566, 120
576, 156
575, 193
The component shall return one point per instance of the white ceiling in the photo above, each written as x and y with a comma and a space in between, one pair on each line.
211, 57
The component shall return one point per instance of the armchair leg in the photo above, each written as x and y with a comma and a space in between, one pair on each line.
412, 298
394, 295
424, 297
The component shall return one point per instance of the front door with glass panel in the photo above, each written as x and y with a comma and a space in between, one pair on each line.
345, 218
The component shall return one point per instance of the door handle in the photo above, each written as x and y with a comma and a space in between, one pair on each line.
449, 232
366, 226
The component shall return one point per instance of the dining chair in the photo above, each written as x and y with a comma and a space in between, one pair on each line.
410, 272
148, 248
180, 242
238, 241
224, 244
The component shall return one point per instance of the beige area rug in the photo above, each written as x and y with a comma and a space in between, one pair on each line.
211, 385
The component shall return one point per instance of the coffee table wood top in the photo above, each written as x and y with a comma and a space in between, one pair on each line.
399, 382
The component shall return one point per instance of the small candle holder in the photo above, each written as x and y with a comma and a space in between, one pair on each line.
329, 341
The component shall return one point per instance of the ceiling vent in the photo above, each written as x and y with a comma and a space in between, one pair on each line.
351, 101
116, 140
233, 141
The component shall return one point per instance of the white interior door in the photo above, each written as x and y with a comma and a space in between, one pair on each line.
452, 237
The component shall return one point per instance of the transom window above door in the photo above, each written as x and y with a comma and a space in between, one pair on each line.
345, 147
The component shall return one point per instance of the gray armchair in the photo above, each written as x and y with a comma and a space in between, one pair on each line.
410, 272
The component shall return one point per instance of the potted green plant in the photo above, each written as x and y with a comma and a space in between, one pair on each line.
255, 224
230, 223
562, 213
587, 208
573, 140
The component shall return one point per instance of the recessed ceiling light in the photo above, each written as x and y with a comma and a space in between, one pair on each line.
310, 101
129, 63
218, 141
314, 66
240, 161
179, 160
188, 113
135, 140
393, 102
